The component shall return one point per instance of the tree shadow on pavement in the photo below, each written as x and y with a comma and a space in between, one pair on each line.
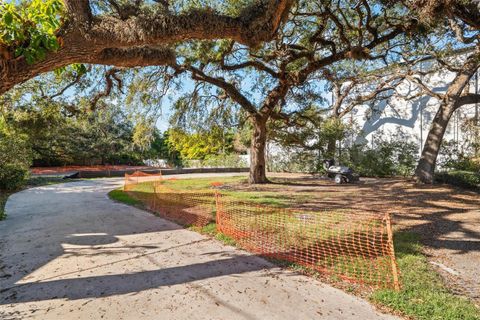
62, 251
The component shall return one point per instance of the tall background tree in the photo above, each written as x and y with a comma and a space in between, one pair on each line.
69, 119
460, 21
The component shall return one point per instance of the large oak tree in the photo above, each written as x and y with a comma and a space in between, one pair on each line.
267, 82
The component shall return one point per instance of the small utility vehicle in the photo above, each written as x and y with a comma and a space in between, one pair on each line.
339, 174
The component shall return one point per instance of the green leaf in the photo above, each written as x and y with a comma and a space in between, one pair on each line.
29, 57
40, 54
29, 26
8, 18
59, 71
18, 52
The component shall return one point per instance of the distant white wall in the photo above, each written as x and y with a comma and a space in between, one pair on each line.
413, 117
158, 163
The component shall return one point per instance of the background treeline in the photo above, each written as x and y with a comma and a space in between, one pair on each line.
49, 136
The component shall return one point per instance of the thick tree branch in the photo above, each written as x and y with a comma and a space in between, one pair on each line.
424, 87
77, 78
110, 76
254, 64
96, 39
229, 88
256, 24
274, 97
79, 12
470, 98
136, 57
459, 33
471, 65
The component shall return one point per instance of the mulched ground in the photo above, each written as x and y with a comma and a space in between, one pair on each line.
447, 218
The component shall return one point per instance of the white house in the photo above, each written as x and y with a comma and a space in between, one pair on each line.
414, 117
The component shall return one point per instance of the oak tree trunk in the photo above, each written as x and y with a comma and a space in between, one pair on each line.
426, 165
451, 101
331, 148
257, 151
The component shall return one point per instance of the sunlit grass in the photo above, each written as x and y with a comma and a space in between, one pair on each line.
120, 196
199, 183
261, 197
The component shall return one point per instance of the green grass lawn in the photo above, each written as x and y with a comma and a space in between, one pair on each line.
423, 294
120, 196
264, 197
199, 183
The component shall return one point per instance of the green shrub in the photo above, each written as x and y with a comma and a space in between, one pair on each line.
15, 158
217, 161
387, 158
396, 157
373, 162
454, 156
294, 160
465, 179
12, 176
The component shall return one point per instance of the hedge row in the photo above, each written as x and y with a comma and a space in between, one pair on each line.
465, 179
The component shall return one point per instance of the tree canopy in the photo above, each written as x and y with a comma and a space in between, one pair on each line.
282, 77
267, 65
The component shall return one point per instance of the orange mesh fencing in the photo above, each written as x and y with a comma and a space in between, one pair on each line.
354, 246
184, 207
350, 245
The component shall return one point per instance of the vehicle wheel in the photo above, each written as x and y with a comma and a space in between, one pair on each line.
338, 179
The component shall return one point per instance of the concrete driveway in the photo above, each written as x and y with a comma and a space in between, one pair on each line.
68, 252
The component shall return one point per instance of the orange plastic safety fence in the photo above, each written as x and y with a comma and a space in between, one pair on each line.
351, 245
185, 207
354, 246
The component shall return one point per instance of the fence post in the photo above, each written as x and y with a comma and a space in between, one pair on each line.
155, 196
218, 211
125, 183
388, 220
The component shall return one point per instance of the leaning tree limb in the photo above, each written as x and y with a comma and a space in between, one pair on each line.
142, 39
